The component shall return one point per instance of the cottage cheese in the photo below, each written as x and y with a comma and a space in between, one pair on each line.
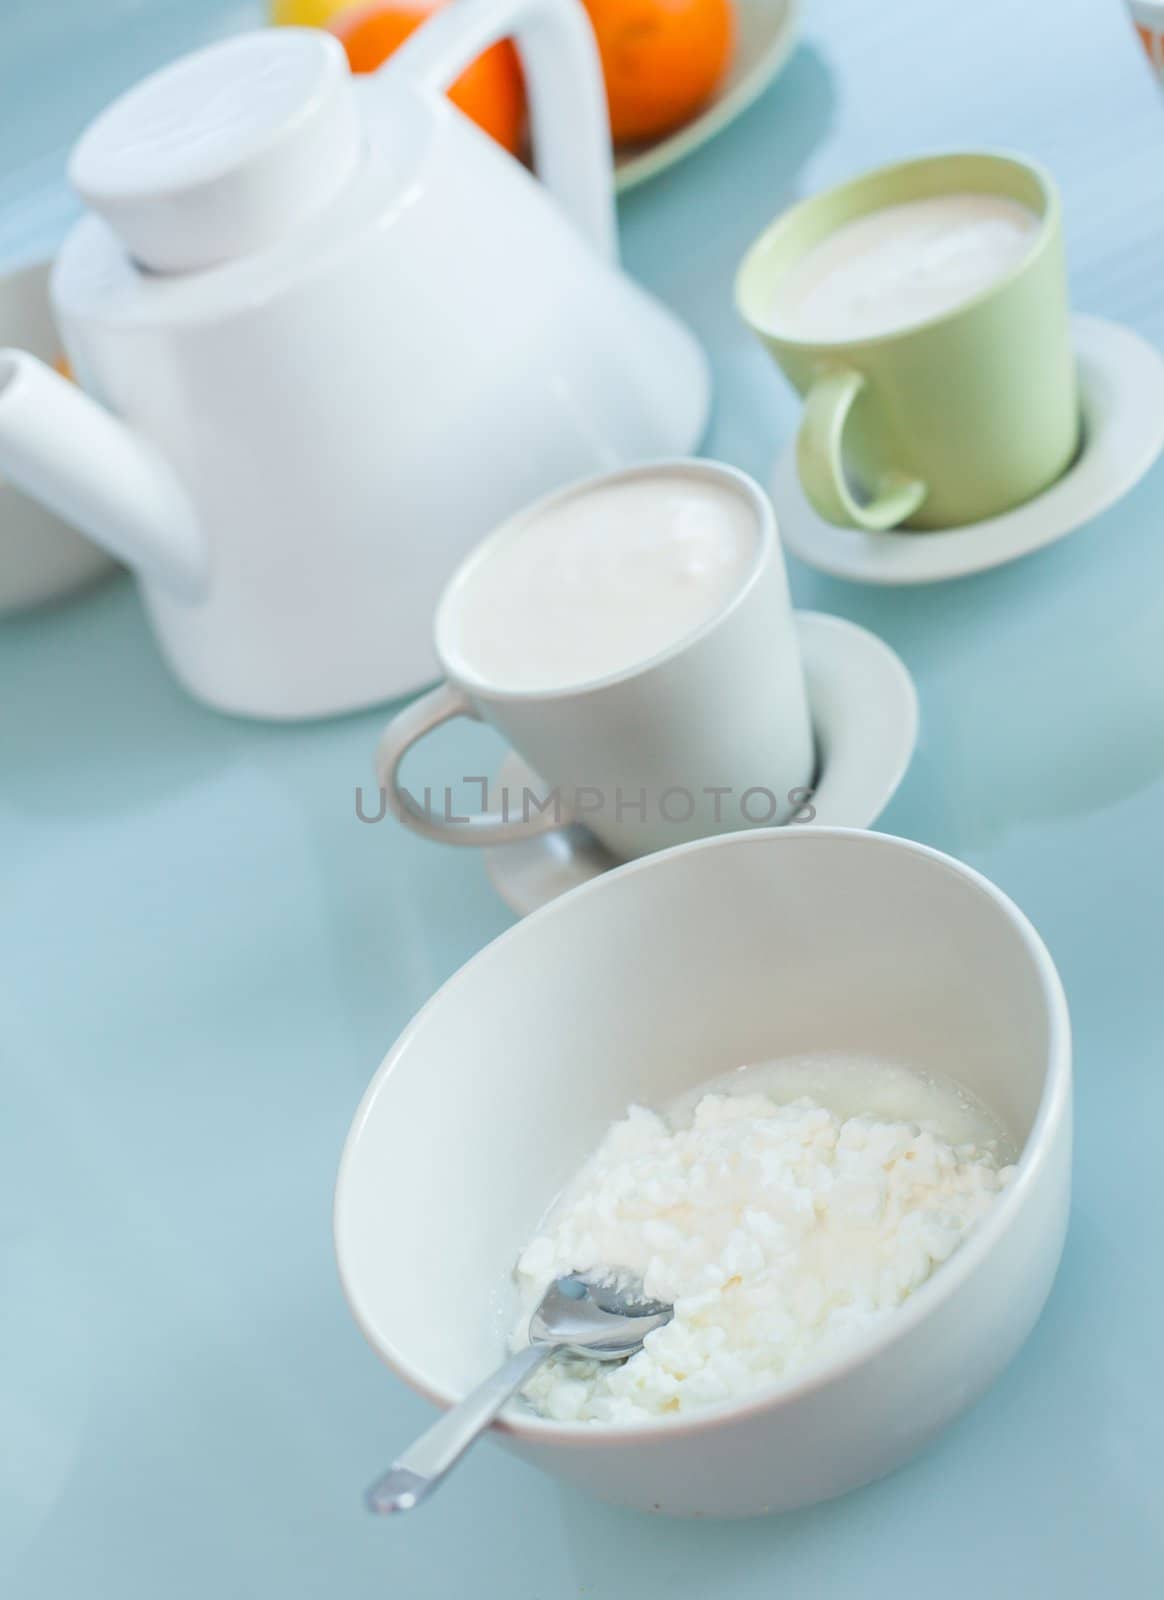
781, 1228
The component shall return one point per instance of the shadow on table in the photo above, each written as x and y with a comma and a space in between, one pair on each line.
91, 720
1039, 681
936, 1507
684, 232
258, 815
619, 1554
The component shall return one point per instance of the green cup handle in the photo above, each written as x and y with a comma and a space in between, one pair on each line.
820, 461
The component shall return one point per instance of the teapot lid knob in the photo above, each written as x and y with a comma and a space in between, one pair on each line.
224, 150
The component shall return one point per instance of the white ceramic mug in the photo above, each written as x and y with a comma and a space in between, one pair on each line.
707, 736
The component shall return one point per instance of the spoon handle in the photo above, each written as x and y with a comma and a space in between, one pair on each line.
421, 1468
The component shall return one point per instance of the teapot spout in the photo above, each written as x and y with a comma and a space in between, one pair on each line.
65, 450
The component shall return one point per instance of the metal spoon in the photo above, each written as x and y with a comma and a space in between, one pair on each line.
602, 1318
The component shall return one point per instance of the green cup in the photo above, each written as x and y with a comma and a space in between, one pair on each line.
951, 420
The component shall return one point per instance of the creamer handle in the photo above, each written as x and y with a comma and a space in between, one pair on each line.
491, 827
563, 79
820, 461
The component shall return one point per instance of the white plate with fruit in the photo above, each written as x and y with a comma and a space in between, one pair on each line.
676, 71
764, 38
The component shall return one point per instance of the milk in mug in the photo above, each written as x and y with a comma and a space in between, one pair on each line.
902, 265
599, 583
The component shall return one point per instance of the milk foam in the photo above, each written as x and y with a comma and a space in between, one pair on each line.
603, 580
901, 266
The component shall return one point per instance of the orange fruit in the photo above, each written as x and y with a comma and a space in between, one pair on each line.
661, 60
490, 90
305, 13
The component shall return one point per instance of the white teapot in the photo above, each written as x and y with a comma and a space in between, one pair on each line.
328, 334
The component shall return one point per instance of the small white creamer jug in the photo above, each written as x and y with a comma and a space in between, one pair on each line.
327, 333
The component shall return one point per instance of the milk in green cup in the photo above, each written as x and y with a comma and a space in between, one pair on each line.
922, 312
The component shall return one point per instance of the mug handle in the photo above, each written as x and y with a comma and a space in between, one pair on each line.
569, 121
439, 705
820, 462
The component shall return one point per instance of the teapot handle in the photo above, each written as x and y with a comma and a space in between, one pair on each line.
567, 101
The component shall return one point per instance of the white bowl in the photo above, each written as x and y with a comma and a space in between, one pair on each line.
636, 987
41, 557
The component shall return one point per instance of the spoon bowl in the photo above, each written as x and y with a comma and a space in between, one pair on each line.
601, 1316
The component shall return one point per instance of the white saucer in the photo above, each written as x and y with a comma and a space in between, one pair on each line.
1121, 379
864, 711
765, 34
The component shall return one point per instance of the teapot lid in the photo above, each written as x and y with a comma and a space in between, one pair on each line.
224, 150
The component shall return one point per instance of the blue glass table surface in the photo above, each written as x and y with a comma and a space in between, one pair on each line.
203, 955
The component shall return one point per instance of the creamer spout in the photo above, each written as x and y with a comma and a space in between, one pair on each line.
65, 450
